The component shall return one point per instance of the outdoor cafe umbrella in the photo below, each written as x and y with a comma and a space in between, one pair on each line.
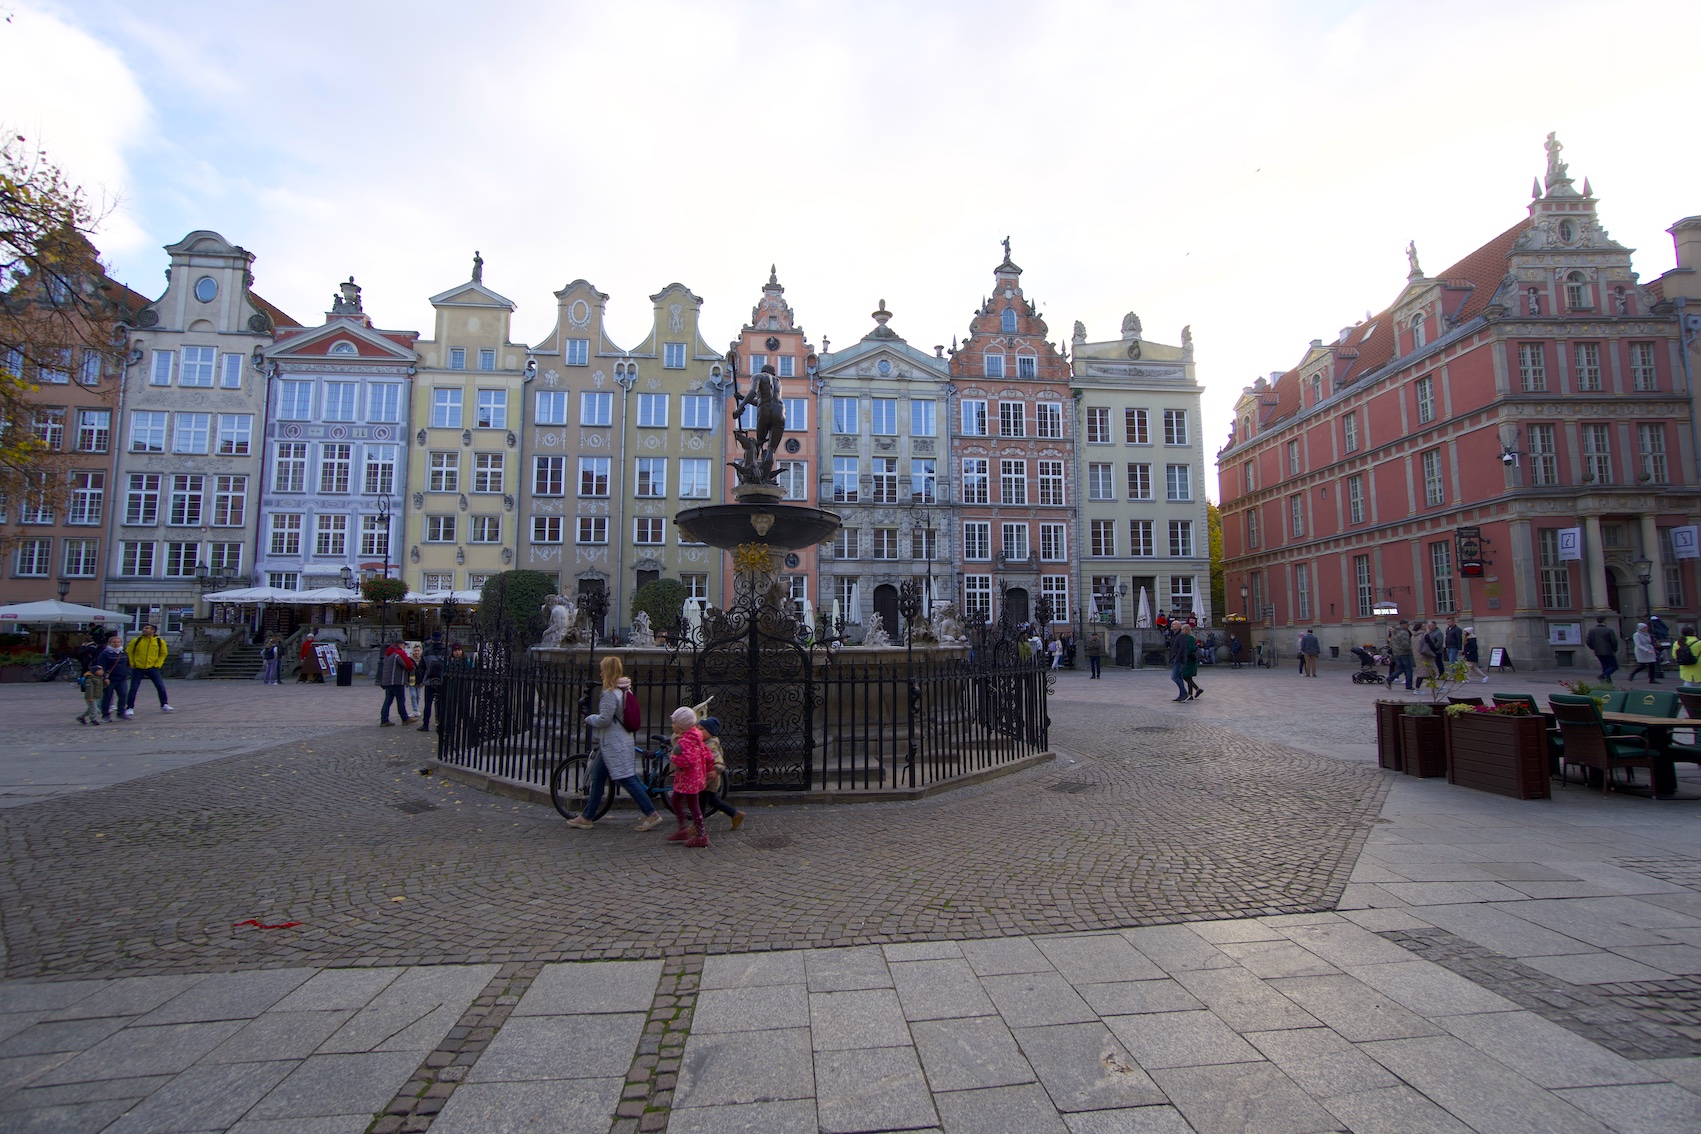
54, 612
1143, 617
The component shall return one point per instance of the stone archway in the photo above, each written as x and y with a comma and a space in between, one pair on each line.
1016, 602
1125, 650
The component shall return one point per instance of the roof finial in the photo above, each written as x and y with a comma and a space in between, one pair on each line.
773, 276
1415, 272
478, 268
1536, 188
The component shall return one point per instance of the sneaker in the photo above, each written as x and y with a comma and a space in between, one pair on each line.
697, 842
653, 819
95, 723
424, 728
128, 713
1485, 680
81, 721
580, 822
737, 820
167, 709
386, 724
679, 836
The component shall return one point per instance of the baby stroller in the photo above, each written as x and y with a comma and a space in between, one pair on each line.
1367, 673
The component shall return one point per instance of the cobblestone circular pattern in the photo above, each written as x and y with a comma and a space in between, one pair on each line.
1143, 820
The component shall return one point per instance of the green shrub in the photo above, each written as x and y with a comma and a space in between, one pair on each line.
663, 600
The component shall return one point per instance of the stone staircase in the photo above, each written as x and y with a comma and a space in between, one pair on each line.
239, 663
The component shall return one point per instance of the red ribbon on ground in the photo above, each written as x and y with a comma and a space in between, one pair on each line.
255, 922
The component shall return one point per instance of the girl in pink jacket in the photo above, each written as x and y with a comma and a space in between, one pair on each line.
692, 760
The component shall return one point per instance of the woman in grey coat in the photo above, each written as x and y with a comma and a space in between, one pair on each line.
616, 758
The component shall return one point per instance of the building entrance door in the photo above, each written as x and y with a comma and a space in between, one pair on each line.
886, 606
1016, 602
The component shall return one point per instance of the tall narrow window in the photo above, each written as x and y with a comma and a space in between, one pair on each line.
1252, 528
487, 472
1140, 539
1672, 571
846, 480
975, 477
1642, 375
1355, 499
845, 416
1178, 482
1555, 574
1434, 487
336, 463
1181, 539
1136, 427
1544, 455
974, 417
1588, 358
1098, 425
1441, 572
289, 470
1100, 485
1302, 590
1175, 427
1139, 481
1296, 516
1051, 482
1425, 399
1362, 582
1597, 453
1349, 432
1651, 442
444, 474
1577, 291
1012, 419
1293, 458
883, 416
1532, 368
1013, 481
922, 418
1102, 538
1048, 420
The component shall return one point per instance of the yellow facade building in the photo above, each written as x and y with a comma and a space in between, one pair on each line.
463, 466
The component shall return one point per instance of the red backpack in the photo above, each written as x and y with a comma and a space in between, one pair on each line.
629, 718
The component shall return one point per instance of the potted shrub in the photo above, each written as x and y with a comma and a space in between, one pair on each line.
1498, 748
1423, 732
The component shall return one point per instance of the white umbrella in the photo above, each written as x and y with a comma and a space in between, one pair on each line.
250, 595
1143, 616
322, 597
53, 612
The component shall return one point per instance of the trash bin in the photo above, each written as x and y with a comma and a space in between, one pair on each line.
345, 673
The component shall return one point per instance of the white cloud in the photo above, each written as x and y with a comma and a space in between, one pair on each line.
1252, 169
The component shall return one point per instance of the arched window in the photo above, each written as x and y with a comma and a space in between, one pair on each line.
343, 347
1567, 231
1417, 331
1576, 290
1007, 321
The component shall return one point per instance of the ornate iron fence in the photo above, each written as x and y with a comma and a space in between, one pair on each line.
797, 713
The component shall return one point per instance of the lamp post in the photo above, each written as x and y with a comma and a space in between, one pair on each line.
1121, 593
1245, 611
1645, 575
384, 598
64, 587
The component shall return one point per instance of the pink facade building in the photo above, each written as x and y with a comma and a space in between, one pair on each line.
1511, 441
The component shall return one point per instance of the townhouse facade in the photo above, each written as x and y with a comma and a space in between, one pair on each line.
185, 515
1013, 452
461, 525
1509, 442
337, 452
57, 535
1140, 462
774, 338
882, 416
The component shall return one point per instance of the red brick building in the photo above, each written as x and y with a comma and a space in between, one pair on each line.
1509, 441
1012, 445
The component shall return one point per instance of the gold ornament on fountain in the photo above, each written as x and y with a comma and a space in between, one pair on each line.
753, 558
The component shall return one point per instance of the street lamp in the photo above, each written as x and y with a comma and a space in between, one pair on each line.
384, 596
1645, 575
1245, 611
64, 587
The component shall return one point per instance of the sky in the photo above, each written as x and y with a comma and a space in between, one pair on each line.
1253, 170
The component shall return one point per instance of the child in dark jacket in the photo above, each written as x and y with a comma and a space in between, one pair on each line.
710, 797
94, 685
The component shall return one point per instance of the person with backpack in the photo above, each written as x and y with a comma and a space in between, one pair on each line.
432, 665
1686, 652
1603, 643
613, 724
393, 671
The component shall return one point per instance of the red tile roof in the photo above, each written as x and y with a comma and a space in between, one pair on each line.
1370, 345
272, 311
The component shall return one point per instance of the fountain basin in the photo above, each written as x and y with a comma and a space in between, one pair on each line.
788, 526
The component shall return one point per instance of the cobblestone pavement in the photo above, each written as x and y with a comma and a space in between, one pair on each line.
1165, 819
1491, 965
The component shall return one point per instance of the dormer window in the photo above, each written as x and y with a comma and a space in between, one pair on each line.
1007, 321
344, 347
1417, 331
1576, 291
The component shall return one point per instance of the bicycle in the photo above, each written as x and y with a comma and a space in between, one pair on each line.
570, 780
67, 668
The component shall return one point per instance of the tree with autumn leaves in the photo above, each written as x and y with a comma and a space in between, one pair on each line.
58, 311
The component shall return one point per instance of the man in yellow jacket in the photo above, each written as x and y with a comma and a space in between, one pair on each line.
147, 653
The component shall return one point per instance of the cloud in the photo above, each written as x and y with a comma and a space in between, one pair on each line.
73, 95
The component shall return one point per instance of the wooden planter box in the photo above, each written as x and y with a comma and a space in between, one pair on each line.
1503, 755
1423, 743
14, 673
1389, 749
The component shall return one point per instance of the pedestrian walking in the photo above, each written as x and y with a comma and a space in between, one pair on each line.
310, 669
616, 759
393, 671
116, 663
1234, 651
1470, 653
94, 688
1431, 648
1310, 648
271, 658
710, 797
1095, 652
1604, 643
1647, 656
1453, 640
147, 653
416, 652
1299, 652
1190, 666
430, 676
1056, 649
691, 763
1661, 635
1400, 649
1686, 652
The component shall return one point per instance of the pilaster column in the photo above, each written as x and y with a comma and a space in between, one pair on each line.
1651, 549
1594, 564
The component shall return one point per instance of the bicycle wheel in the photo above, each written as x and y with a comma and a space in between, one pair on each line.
71, 672
569, 783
